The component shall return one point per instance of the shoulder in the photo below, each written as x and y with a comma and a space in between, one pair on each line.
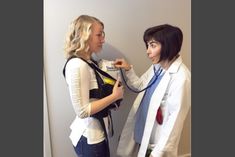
179, 70
181, 77
184, 72
76, 63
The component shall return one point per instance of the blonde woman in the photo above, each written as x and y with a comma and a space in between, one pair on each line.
88, 136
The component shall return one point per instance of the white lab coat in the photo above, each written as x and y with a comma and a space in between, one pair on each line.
173, 93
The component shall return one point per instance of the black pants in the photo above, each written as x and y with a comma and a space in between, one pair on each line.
91, 150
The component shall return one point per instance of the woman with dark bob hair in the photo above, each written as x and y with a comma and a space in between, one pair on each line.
156, 119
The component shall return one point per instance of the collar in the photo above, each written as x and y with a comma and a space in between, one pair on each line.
174, 67
157, 66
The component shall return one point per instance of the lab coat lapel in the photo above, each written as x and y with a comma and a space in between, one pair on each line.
154, 104
127, 144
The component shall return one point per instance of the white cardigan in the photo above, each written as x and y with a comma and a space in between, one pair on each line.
81, 78
174, 95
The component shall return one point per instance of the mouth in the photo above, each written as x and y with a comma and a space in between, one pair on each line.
149, 55
100, 45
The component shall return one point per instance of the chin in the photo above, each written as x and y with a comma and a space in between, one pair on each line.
151, 58
98, 51
99, 48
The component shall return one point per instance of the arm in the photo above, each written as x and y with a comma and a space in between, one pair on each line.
78, 78
100, 104
133, 79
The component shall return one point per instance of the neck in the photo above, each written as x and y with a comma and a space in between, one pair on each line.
165, 64
86, 56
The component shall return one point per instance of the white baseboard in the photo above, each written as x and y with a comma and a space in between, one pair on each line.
185, 155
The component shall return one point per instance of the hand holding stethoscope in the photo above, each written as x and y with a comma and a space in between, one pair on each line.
123, 64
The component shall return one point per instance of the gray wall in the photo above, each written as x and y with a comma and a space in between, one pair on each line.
125, 22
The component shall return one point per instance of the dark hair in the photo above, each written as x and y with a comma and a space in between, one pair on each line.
170, 37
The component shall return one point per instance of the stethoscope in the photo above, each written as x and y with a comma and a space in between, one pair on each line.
156, 75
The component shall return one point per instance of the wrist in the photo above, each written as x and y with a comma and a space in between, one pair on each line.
128, 68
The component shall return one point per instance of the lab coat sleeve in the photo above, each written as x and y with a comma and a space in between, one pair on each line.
178, 102
135, 81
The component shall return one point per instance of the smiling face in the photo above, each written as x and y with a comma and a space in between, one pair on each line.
96, 39
154, 51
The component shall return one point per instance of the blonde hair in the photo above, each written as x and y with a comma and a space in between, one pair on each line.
79, 32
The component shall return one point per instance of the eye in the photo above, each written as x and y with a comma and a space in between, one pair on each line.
101, 34
152, 45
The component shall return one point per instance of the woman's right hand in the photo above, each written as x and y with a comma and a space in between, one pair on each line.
118, 90
122, 63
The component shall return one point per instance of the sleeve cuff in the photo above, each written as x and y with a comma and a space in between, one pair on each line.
89, 110
130, 68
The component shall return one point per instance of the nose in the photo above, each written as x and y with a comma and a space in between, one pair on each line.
148, 50
102, 40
